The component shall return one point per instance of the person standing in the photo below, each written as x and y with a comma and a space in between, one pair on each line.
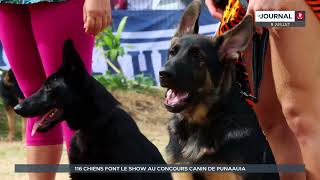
32, 33
288, 107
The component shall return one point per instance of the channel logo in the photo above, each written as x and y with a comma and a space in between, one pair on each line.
280, 18
300, 15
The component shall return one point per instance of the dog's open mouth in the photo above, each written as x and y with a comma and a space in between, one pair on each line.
47, 121
177, 100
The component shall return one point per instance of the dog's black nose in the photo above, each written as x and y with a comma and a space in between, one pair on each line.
17, 108
165, 74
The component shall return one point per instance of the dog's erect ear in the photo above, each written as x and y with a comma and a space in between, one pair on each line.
235, 40
71, 59
189, 21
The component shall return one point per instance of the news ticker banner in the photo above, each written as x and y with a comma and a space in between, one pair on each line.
158, 168
280, 18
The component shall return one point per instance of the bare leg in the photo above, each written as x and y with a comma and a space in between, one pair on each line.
26, 64
43, 155
274, 125
295, 58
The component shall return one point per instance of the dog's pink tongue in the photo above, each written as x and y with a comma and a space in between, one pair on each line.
35, 127
174, 97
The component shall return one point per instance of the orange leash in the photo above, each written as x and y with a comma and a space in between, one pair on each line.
315, 6
232, 15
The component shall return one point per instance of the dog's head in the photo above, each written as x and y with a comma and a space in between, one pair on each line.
10, 83
199, 66
58, 94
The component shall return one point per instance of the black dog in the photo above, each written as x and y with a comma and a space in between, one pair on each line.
106, 133
10, 94
213, 123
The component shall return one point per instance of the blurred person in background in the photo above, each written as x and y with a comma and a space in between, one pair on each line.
137, 5
119, 4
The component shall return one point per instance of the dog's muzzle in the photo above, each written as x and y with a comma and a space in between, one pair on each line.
166, 77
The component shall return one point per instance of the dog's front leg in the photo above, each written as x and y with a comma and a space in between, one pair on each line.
11, 123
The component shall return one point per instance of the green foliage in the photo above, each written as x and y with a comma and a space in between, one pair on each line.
140, 83
141, 79
112, 42
113, 81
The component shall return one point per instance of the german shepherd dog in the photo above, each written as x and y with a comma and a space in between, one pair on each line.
212, 122
106, 134
10, 94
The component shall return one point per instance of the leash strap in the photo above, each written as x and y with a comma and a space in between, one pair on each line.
258, 49
258, 59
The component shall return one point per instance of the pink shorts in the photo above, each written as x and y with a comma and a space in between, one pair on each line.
32, 37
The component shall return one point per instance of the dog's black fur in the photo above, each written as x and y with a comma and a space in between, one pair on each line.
213, 123
106, 133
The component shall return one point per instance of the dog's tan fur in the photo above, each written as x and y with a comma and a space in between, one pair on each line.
208, 176
182, 176
222, 176
7, 80
198, 113
12, 124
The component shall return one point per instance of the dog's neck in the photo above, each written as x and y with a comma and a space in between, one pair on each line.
91, 104
213, 104
215, 95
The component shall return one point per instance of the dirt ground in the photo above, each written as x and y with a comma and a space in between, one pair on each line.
147, 110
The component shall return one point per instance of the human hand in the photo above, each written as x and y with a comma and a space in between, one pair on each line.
96, 15
214, 10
